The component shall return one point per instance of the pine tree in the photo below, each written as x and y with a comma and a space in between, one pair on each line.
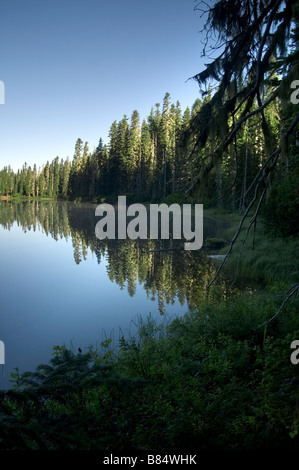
253, 73
41, 182
154, 120
76, 169
103, 184
65, 178
114, 161
176, 138
134, 155
254, 35
123, 156
147, 159
56, 177
164, 134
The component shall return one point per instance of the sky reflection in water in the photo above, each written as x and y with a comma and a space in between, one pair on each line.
61, 285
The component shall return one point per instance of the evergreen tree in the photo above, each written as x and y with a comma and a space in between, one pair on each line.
147, 159
154, 120
114, 160
257, 49
56, 177
76, 169
104, 172
123, 156
134, 155
65, 178
41, 182
164, 141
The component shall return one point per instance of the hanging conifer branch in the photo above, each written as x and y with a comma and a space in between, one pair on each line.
256, 37
263, 180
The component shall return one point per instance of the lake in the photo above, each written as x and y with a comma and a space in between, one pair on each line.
61, 285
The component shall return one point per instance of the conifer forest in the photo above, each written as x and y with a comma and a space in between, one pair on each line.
225, 375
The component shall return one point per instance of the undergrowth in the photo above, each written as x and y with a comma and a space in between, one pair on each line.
218, 378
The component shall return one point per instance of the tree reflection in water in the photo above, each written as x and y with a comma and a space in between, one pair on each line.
166, 275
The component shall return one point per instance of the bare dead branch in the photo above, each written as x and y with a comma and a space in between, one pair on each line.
252, 221
235, 236
289, 293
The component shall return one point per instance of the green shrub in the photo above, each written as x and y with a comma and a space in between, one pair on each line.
282, 207
175, 198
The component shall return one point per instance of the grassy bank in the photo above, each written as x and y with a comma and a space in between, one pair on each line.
18, 198
263, 256
219, 378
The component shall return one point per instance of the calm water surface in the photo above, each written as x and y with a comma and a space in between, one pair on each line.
60, 285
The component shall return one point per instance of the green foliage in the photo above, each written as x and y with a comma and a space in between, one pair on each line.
216, 378
210, 380
260, 255
282, 208
175, 198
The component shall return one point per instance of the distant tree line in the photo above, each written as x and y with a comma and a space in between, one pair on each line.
146, 160
235, 147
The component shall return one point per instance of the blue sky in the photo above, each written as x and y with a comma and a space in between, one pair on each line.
72, 67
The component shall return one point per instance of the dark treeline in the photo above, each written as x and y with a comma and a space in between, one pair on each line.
151, 160
235, 147
147, 159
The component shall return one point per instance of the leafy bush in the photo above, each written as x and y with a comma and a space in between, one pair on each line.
175, 198
210, 380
